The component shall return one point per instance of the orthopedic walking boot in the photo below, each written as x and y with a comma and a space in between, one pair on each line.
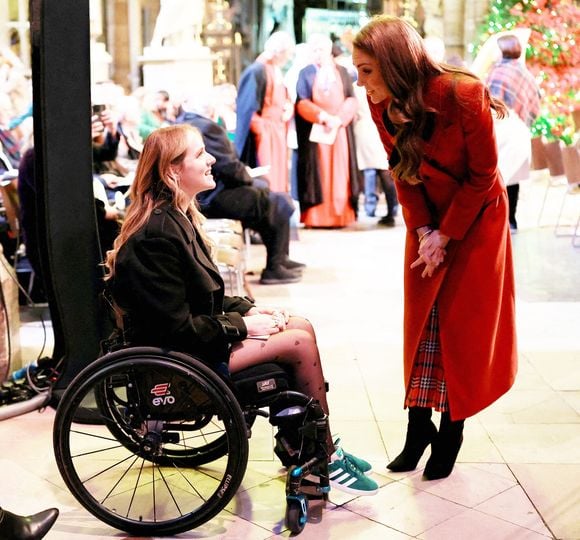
14, 527
444, 449
421, 431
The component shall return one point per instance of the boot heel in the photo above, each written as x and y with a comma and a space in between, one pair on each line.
445, 449
413, 450
420, 433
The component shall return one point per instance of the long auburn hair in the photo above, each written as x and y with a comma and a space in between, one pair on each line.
155, 183
406, 67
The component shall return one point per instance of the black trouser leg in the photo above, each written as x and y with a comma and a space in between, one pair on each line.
253, 207
420, 432
445, 448
281, 209
513, 193
276, 240
388, 186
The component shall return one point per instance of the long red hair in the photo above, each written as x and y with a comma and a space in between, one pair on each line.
155, 183
406, 67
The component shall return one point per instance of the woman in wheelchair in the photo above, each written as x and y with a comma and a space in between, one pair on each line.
170, 293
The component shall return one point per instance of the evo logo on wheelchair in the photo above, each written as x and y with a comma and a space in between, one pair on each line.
162, 395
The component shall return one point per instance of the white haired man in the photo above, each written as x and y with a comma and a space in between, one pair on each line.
263, 111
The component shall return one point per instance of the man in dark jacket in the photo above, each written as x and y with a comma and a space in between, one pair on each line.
238, 196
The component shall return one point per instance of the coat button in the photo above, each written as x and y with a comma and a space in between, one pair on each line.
157, 211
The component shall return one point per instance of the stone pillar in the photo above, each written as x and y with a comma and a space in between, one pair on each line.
453, 24
475, 12
118, 40
434, 24
4, 33
100, 58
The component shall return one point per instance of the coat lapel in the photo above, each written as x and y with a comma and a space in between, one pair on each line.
198, 248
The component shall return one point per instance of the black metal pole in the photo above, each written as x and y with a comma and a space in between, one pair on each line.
60, 39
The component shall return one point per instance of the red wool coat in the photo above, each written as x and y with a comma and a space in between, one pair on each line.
463, 194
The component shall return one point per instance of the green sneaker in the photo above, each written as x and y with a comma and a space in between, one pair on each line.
345, 476
361, 464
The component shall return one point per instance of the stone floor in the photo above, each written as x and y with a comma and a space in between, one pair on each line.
518, 473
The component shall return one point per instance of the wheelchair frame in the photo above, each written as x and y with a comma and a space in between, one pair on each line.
154, 442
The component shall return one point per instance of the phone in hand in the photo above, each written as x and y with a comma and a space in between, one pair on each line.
99, 108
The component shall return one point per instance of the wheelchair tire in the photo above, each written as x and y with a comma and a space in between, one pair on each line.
296, 513
133, 470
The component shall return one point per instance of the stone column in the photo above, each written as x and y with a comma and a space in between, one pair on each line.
453, 24
118, 40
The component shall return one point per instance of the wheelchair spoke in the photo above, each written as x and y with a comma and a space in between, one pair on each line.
203, 436
98, 451
121, 477
169, 491
87, 434
179, 471
135, 489
109, 468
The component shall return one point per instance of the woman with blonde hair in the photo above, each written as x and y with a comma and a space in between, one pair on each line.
436, 124
170, 294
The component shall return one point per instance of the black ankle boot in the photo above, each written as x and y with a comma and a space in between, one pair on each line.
420, 432
32, 527
444, 449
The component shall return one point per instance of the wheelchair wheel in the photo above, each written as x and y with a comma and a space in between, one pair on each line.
170, 450
111, 397
296, 513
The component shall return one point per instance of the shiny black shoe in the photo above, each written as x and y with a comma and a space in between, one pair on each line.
387, 221
289, 264
421, 431
33, 527
279, 275
444, 449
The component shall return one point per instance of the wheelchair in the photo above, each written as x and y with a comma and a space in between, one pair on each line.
155, 442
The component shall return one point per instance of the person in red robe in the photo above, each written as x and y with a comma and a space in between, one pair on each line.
437, 127
327, 171
263, 110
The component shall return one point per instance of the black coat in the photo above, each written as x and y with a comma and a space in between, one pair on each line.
173, 293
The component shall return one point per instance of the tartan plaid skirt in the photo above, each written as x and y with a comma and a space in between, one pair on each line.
427, 386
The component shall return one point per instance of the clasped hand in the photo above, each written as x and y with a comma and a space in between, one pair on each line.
431, 252
329, 121
265, 320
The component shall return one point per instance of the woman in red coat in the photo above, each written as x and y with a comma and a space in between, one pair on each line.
436, 125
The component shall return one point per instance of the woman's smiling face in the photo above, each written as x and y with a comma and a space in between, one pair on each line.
369, 75
194, 172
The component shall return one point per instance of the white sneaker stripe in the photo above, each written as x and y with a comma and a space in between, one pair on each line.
342, 479
335, 473
351, 481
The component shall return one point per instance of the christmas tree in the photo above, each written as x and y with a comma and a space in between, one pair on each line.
552, 55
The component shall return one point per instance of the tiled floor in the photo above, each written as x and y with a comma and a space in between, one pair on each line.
518, 473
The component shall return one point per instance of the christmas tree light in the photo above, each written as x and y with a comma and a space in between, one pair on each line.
551, 55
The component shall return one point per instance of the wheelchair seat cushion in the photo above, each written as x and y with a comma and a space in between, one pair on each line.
261, 381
